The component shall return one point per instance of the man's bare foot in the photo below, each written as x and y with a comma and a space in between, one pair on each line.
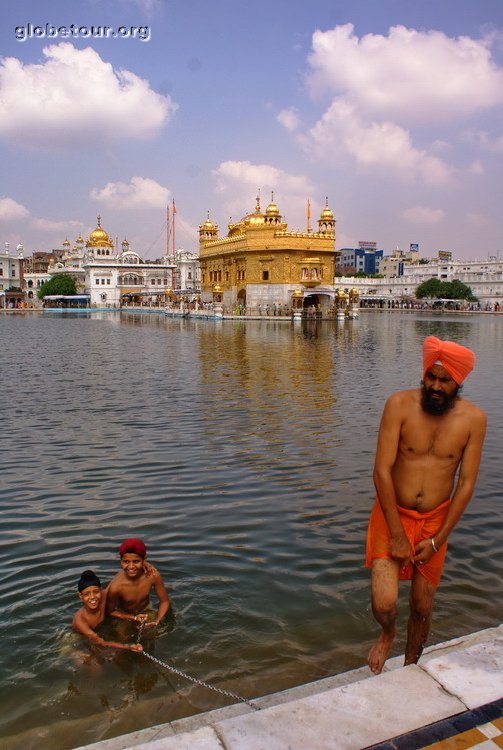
379, 652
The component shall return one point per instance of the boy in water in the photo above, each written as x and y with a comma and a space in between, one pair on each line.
128, 595
92, 614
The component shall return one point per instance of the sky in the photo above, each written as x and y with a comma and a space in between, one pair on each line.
389, 109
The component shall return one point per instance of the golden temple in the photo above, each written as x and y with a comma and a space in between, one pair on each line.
260, 262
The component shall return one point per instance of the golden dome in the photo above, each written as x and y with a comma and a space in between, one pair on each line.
255, 218
327, 214
99, 238
79, 240
272, 209
66, 243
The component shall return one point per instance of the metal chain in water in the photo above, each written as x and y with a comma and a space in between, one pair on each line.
179, 672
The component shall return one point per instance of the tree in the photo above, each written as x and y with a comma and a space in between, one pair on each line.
63, 283
436, 289
430, 288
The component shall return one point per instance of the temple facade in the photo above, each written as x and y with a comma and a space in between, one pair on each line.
261, 264
113, 276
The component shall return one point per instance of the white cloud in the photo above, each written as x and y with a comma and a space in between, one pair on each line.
407, 75
476, 220
476, 167
75, 99
384, 145
245, 173
239, 181
484, 140
47, 225
424, 215
383, 89
149, 7
140, 192
289, 118
10, 210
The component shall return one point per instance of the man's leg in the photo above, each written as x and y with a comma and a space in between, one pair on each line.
422, 593
384, 599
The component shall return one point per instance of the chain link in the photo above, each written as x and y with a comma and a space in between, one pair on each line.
179, 672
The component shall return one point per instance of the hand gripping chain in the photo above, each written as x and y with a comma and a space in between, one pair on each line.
179, 672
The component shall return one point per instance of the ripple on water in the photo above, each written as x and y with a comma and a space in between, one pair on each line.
242, 454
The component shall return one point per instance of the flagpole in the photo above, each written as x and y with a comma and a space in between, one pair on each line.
173, 213
167, 231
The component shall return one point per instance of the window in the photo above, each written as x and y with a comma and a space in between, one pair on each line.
108, 281
265, 275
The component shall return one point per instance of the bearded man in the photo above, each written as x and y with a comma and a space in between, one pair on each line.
426, 435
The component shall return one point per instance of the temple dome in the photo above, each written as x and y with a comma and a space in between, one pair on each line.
98, 237
257, 217
272, 210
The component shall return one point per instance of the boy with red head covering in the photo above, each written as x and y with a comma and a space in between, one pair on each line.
426, 436
128, 595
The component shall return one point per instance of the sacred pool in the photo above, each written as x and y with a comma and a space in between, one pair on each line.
241, 452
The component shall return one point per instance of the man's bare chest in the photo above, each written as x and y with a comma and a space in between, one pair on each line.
424, 437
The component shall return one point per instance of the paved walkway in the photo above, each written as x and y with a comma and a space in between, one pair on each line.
452, 700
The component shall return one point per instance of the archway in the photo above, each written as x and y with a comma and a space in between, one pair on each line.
241, 300
311, 299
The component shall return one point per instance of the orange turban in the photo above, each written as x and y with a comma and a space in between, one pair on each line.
456, 359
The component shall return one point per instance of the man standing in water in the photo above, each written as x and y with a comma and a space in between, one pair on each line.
426, 435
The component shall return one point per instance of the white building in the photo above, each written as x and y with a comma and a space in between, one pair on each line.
127, 279
188, 273
11, 276
112, 277
484, 277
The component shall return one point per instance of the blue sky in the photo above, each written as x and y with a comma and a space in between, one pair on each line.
391, 108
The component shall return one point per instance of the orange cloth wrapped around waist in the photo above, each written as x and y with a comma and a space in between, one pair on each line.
417, 526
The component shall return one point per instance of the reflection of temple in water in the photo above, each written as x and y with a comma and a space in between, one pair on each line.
280, 387
261, 264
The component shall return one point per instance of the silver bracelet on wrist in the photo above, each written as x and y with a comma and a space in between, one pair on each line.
435, 548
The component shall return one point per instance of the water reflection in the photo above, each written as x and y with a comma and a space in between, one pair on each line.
242, 453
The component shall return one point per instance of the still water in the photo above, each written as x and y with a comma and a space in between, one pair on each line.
241, 452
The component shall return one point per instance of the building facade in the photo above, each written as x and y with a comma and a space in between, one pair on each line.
113, 277
363, 259
485, 279
260, 264
187, 274
11, 277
